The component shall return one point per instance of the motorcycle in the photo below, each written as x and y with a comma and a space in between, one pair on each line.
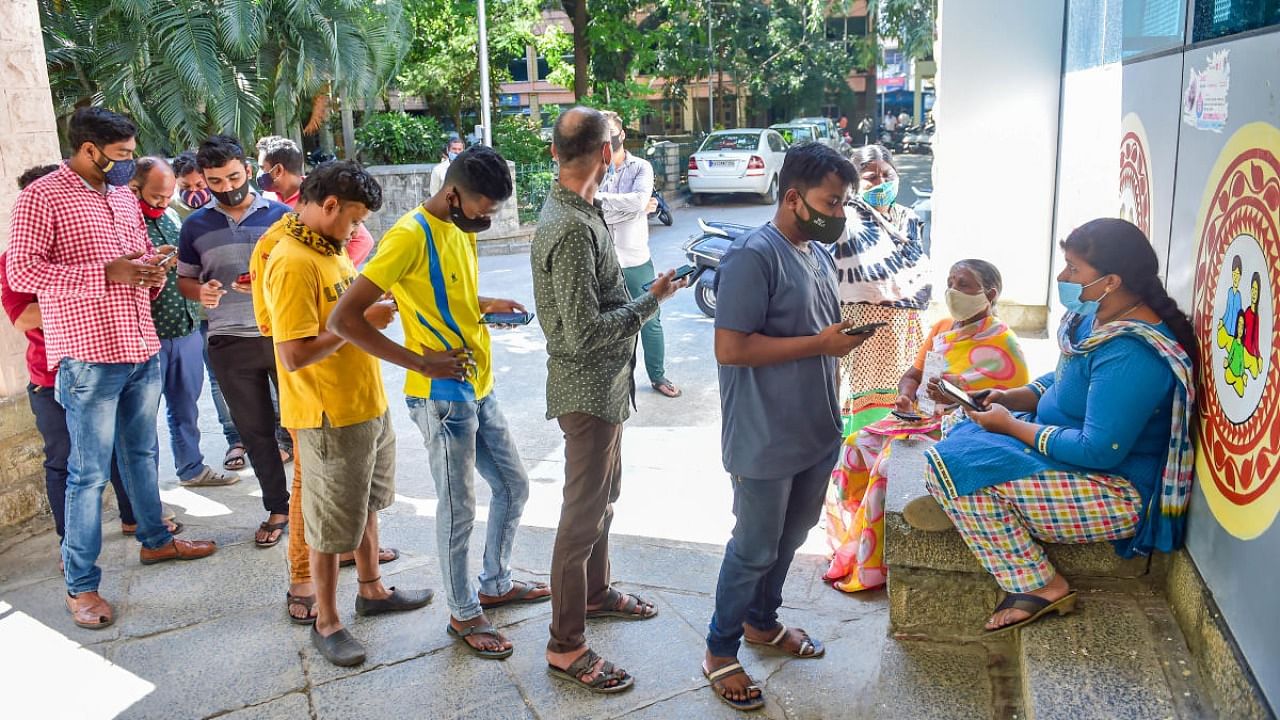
704, 251
663, 211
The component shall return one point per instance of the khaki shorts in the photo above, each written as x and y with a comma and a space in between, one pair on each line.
347, 473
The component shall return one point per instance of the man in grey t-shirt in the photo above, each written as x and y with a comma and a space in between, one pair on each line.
778, 338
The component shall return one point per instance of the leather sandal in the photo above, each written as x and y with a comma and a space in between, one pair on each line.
627, 611
585, 665
521, 597
728, 671
482, 629
95, 614
306, 601
809, 648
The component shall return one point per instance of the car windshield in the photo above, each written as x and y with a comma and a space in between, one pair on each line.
731, 141
795, 135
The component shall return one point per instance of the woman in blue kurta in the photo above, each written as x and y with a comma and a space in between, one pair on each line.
1097, 450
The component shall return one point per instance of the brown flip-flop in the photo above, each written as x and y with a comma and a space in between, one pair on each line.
394, 556
270, 528
522, 595
307, 601
1034, 604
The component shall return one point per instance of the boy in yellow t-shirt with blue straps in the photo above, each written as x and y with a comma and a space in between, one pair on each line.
428, 261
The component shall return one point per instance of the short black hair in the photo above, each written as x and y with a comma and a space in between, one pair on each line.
480, 169
1236, 265
218, 151
99, 126
345, 180
33, 174
579, 132
807, 165
284, 152
185, 163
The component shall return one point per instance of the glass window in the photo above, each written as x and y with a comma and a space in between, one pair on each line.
1093, 34
796, 133
731, 141
1218, 18
775, 143
1153, 25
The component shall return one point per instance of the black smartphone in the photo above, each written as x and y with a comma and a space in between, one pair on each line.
907, 416
959, 395
167, 257
865, 329
507, 318
682, 272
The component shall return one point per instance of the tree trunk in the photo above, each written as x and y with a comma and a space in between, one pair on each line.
281, 124
870, 95
348, 131
581, 51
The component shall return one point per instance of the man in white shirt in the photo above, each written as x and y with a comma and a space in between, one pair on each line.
625, 197
451, 151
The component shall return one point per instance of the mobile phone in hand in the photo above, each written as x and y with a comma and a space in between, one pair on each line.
507, 318
864, 329
682, 272
960, 396
907, 416
164, 259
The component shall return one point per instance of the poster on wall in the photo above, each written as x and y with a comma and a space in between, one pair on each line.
1237, 284
1204, 102
1135, 174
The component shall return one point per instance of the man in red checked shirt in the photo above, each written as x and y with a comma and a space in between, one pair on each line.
78, 242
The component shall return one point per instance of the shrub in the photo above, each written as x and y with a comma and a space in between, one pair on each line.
398, 138
519, 139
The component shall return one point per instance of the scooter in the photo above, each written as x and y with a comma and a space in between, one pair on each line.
663, 211
705, 250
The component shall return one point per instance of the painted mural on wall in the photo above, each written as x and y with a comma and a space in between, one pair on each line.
1236, 287
1135, 174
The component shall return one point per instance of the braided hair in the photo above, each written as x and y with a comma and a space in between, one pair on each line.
1117, 247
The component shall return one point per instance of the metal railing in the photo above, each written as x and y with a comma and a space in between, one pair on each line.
533, 182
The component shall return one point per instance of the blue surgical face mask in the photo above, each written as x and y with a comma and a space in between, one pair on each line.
882, 195
452, 156
1069, 295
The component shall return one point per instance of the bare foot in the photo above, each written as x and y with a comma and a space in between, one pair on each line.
564, 660
298, 610
733, 687
482, 642
268, 536
1055, 590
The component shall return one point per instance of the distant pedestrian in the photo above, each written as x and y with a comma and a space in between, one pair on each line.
78, 242
281, 179
624, 196
884, 276
451, 150
591, 323
190, 191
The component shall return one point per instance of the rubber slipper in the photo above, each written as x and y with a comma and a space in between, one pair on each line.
339, 648
1034, 604
584, 664
667, 389
397, 601
271, 528
521, 597
485, 629
728, 671
307, 601
234, 459
395, 555
806, 644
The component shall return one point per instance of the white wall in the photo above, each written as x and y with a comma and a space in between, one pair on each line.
999, 74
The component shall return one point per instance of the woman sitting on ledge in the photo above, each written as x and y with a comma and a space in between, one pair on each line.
1098, 450
977, 352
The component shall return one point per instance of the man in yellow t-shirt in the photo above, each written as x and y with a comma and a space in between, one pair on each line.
428, 261
331, 396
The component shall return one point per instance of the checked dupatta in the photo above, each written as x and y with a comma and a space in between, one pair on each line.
1165, 526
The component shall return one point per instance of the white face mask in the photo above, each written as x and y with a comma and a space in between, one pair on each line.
964, 306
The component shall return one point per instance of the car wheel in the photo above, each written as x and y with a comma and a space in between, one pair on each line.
771, 195
705, 296
664, 217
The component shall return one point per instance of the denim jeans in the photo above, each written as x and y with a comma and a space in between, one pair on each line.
51, 421
182, 379
108, 405
774, 516
462, 437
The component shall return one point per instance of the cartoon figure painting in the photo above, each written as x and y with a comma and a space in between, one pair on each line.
1238, 332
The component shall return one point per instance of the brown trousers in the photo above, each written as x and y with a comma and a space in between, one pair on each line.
580, 560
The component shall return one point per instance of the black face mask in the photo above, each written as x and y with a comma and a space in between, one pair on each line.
467, 224
232, 198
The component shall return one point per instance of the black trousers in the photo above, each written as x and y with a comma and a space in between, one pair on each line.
246, 370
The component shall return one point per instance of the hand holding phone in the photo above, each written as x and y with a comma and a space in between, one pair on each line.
165, 259
864, 329
960, 396
684, 271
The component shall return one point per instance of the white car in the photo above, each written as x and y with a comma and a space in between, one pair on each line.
738, 161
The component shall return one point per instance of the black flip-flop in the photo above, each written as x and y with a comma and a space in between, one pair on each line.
1034, 604
485, 629
628, 609
522, 596
234, 459
395, 555
307, 601
735, 668
270, 528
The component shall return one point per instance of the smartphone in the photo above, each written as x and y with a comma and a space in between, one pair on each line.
167, 257
245, 279
960, 396
865, 329
682, 272
907, 416
507, 318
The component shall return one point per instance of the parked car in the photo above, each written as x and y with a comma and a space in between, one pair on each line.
828, 133
795, 133
745, 160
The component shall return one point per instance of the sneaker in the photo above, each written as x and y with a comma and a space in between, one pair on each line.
209, 477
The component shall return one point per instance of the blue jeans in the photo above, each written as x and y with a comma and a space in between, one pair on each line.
774, 516
182, 379
51, 421
219, 403
462, 437
108, 405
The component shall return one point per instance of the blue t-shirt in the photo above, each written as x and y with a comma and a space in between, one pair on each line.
778, 419
212, 246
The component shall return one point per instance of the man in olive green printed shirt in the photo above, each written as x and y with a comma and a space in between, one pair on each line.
591, 324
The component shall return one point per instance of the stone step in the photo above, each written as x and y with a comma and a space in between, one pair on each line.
1119, 657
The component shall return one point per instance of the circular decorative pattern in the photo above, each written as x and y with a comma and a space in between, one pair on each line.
1238, 433
1135, 174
